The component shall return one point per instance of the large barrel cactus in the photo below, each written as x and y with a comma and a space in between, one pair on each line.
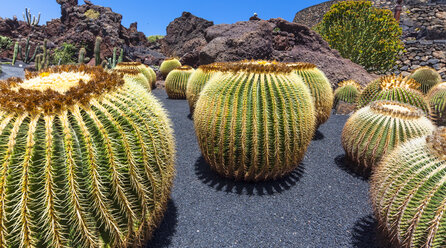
378, 128
408, 192
197, 81
437, 103
394, 88
348, 91
148, 72
135, 76
86, 160
255, 121
319, 86
427, 77
168, 65
176, 82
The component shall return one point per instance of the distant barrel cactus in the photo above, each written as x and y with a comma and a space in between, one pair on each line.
427, 77
255, 121
347, 91
197, 81
134, 75
319, 86
168, 65
378, 128
393, 88
176, 82
148, 72
437, 103
408, 193
87, 160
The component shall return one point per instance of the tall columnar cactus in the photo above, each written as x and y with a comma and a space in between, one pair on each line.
437, 103
135, 76
82, 53
84, 164
255, 121
197, 81
168, 65
376, 129
394, 88
97, 50
319, 86
427, 77
16, 51
176, 82
148, 72
408, 193
348, 91
30, 19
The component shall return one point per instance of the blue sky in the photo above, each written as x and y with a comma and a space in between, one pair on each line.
154, 16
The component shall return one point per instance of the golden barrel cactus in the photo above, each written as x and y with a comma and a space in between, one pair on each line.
408, 193
319, 86
348, 91
437, 103
148, 72
255, 121
168, 65
427, 77
376, 129
176, 82
86, 160
135, 76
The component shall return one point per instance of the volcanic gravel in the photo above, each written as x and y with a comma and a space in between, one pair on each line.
323, 203
11, 71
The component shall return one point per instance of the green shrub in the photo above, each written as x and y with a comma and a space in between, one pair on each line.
5, 43
154, 38
65, 55
367, 35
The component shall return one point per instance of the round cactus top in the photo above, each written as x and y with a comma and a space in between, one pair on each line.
255, 66
56, 88
350, 82
301, 66
125, 64
216, 66
393, 81
127, 71
396, 109
428, 70
184, 68
437, 142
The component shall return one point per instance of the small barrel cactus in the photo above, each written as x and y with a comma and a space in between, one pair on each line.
437, 103
148, 72
393, 88
87, 160
176, 82
168, 65
348, 91
197, 81
133, 75
255, 121
376, 129
408, 193
319, 86
427, 77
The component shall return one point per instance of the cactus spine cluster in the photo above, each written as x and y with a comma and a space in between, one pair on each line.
348, 91
135, 76
176, 82
168, 65
437, 103
84, 164
376, 129
394, 88
254, 121
319, 86
427, 77
408, 193
148, 72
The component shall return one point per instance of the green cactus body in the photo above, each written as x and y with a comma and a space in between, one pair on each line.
148, 72
408, 193
16, 51
97, 51
347, 91
135, 76
254, 121
427, 77
319, 86
437, 103
176, 82
393, 88
197, 81
168, 65
82, 53
378, 128
84, 164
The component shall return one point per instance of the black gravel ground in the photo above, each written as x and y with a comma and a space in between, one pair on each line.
322, 204
11, 71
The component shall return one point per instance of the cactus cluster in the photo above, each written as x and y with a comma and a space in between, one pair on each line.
408, 193
427, 77
254, 121
168, 65
135, 76
348, 91
148, 72
87, 160
319, 86
437, 103
393, 88
376, 129
176, 82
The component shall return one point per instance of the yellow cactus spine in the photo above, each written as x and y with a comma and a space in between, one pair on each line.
427, 77
168, 65
347, 91
148, 72
254, 121
437, 103
373, 131
87, 160
135, 76
176, 82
